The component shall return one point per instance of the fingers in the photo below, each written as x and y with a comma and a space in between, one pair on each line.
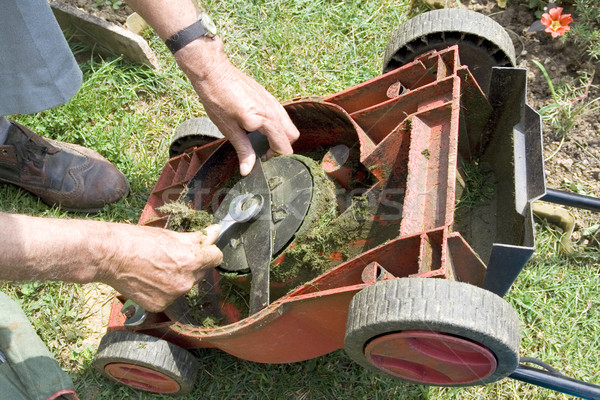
212, 257
159, 265
247, 163
288, 127
280, 131
245, 153
244, 150
237, 105
209, 255
278, 142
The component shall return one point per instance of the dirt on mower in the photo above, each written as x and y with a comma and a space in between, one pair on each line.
321, 243
573, 159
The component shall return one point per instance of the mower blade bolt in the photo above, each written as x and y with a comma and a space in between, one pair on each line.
128, 312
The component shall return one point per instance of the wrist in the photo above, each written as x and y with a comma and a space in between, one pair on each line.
203, 60
107, 250
202, 27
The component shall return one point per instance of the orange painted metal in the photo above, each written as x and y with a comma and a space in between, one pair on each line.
405, 127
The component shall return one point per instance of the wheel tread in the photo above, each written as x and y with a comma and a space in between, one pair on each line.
449, 20
148, 351
438, 305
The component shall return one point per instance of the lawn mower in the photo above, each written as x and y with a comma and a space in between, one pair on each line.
393, 232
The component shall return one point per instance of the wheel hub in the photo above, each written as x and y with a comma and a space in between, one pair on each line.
431, 357
142, 378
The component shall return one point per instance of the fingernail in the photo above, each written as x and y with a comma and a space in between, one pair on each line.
209, 234
212, 230
245, 168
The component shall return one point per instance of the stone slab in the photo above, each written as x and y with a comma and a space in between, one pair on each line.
106, 38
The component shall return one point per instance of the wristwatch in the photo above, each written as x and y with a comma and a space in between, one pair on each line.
203, 27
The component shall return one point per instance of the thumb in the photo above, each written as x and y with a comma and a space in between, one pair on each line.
246, 163
208, 235
243, 148
245, 152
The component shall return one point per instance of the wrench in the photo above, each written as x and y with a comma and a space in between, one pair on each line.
243, 208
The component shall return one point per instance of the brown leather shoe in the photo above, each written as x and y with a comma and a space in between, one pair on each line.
62, 174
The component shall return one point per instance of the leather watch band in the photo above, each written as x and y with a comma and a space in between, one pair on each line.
187, 35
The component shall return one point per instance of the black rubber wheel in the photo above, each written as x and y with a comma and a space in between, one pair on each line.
146, 363
433, 331
482, 42
191, 133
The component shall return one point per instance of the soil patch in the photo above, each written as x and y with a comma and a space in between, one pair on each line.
96, 311
573, 158
103, 10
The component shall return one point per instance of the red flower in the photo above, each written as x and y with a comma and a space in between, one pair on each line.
556, 24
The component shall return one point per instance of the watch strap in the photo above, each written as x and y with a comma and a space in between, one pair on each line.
186, 36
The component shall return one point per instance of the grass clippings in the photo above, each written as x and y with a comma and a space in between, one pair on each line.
183, 218
479, 185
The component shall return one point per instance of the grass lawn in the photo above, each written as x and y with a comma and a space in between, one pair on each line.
294, 48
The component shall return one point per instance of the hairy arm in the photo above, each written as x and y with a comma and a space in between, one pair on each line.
236, 103
151, 266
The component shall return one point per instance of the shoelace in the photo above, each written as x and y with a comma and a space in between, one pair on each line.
31, 151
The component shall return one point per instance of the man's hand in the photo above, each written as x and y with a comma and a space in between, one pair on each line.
156, 266
236, 103
151, 266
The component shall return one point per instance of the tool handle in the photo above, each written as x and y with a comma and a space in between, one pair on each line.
135, 314
224, 225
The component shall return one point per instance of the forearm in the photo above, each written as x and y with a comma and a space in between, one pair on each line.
199, 59
152, 266
166, 17
34, 248
234, 102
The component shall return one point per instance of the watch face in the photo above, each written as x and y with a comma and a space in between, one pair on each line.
209, 24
